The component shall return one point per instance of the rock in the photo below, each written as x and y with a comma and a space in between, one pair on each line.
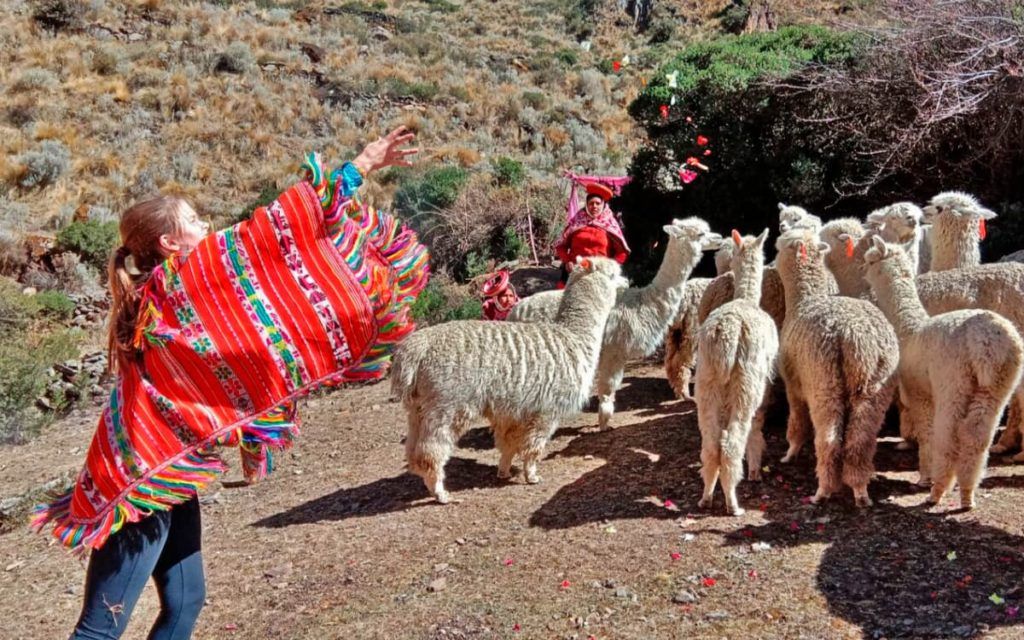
437, 585
441, 566
684, 597
622, 592
135, 37
717, 615
460, 541
380, 34
610, 583
364, 50
29, 291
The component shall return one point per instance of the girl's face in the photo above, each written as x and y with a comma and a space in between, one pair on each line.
594, 204
506, 297
192, 231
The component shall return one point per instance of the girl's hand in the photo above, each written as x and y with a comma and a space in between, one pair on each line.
386, 152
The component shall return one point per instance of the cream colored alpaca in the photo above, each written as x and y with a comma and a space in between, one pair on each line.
737, 346
957, 219
842, 235
838, 356
681, 341
522, 377
902, 223
642, 315
793, 217
957, 372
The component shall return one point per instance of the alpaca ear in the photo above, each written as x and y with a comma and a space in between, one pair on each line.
986, 214
781, 206
824, 248
761, 238
879, 244
737, 238
672, 231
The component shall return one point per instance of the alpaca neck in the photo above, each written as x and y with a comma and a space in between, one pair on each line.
912, 247
897, 297
677, 265
747, 282
955, 243
805, 282
584, 308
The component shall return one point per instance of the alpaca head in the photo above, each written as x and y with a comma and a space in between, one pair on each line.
900, 222
799, 249
842, 236
885, 262
596, 266
692, 233
794, 217
957, 206
723, 258
746, 250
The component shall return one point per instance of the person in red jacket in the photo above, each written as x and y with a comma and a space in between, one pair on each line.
499, 296
592, 231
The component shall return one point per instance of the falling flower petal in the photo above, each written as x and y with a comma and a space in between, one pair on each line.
231, 626
516, 627
752, 574
707, 152
625, 60
672, 79
689, 119
668, 504
951, 556
687, 175
616, 66
509, 562
566, 584
996, 599
664, 111
702, 141
709, 582
675, 555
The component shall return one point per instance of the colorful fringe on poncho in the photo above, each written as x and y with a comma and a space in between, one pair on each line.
313, 290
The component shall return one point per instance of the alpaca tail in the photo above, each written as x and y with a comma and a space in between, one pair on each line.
718, 351
405, 365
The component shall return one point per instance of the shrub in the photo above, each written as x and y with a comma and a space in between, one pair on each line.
442, 6
35, 79
55, 304
508, 172
12, 252
267, 194
567, 56
399, 88
442, 301
535, 100
16, 309
24, 364
92, 240
661, 31
58, 15
436, 189
44, 165
733, 17
236, 58
106, 60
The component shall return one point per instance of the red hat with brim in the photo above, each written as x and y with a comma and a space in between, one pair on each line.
599, 190
496, 284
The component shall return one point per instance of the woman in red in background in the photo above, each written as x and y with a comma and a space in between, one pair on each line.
592, 231
499, 296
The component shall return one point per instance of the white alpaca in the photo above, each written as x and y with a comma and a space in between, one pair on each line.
641, 317
902, 223
956, 373
736, 353
838, 356
957, 220
522, 377
793, 217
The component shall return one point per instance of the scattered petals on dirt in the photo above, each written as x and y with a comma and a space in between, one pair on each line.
675, 555
951, 556
508, 562
566, 584
709, 582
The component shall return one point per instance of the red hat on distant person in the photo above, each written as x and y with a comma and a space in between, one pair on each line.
600, 190
495, 284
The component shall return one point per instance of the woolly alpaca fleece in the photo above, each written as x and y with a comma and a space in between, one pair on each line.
902, 223
842, 236
957, 219
641, 317
522, 377
737, 346
956, 373
838, 356
681, 341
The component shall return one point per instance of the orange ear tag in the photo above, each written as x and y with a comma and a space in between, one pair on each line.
585, 263
803, 253
849, 247
981, 228
737, 238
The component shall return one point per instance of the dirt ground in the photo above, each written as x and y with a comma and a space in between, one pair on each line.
340, 543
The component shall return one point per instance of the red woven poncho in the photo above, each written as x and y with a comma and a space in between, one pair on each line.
313, 290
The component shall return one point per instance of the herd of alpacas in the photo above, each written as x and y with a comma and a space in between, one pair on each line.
853, 315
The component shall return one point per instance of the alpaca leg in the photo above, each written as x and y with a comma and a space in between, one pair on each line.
505, 446
710, 459
536, 439
428, 447
734, 441
1012, 432
974, 437
798, 427
828, 447
755, 441
860, 441
608, 383
949, 412
675, 368
907, 435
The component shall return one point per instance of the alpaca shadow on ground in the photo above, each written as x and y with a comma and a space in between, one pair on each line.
482, 438
642, 393
398, 493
